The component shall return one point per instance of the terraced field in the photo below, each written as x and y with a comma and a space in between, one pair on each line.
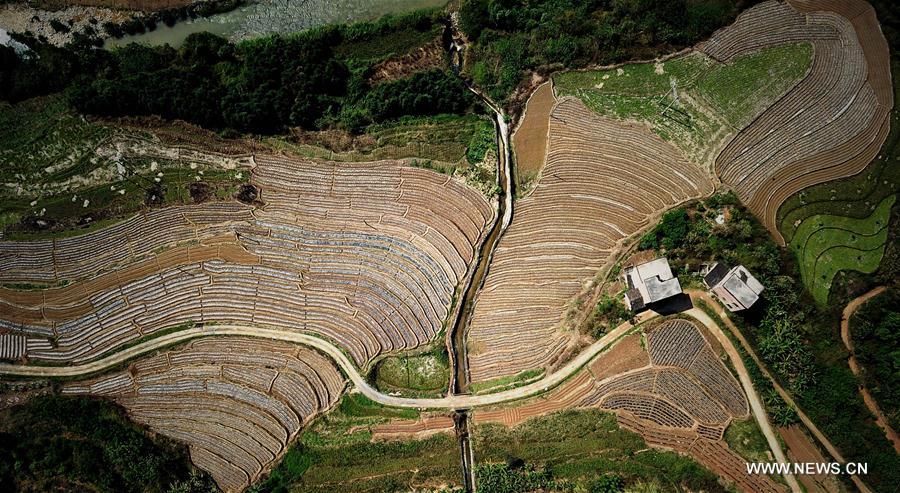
714, 99
808, 136
358, 253
602, 182
827, 244
235, 402
672, 389
751, 103
462, 146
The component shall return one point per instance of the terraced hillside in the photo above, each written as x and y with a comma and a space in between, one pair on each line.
831, 124
359, 253
672, 389
692, 100
235, 402
602, 182
827, 244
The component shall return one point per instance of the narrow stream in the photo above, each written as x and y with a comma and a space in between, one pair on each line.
459, 377
460, 374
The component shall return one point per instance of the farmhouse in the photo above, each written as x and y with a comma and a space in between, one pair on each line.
735, 287
648, 283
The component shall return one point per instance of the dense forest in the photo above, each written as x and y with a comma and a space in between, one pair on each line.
510, 37
319, 78
55, 443
314, 79
876, 335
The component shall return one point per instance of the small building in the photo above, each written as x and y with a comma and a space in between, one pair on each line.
736, 288
648, 283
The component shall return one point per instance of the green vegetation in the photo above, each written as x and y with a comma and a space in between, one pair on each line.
63, 186
826, 244
422, 375
511, 38
463, 146
575, 450
313, 79
713, 97
716, 228
607, 314
505, 383
360, 406
54, 443
337, 454
743, 88
875, 328
504, 478
745, 438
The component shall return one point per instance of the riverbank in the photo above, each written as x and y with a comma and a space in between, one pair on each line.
21, 18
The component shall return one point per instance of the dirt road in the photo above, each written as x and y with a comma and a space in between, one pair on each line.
880, 419
450, 402
829, 447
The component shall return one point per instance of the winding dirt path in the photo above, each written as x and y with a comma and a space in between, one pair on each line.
880, 419
829, 447
756, 405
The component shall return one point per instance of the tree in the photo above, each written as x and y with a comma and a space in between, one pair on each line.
608, 483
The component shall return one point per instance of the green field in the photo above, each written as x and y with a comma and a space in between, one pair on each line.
422, 375
578, 447
337, 454
745, 438
505, 383
714, 99
56, 184
825, 245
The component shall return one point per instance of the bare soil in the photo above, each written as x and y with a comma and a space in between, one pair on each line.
801, 449
530, 139
424, 57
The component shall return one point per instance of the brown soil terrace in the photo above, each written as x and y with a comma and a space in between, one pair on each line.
831, 124
366, 257
530, 138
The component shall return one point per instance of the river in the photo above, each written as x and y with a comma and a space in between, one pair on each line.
274, 16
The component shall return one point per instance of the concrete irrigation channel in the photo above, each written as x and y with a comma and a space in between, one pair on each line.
456, 340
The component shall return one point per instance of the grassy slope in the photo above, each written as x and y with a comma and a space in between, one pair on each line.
48, 158
826, 244
717, 95
444, 139
337, 454
580, 446
745, 438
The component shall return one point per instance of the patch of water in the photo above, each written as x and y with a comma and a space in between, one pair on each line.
275, 16
6, 40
